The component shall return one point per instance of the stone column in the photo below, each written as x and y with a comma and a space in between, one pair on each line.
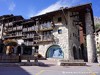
22, 50
33, 49
91, 50
15, 50
69, 52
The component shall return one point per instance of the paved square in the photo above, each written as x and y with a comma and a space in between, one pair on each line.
51, 69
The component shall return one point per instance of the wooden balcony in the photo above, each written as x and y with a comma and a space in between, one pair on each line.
31, 29
10, 23
25, 30
45, 29
45, 38
14, 28
27, 43
19, 28
9, 30
6, 24
14, 36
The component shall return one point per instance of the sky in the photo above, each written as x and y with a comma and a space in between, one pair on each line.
29, 8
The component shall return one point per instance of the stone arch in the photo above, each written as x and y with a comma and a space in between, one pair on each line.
75, 53
54, 51
80, 53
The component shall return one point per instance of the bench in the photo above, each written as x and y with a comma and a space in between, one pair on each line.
71, 63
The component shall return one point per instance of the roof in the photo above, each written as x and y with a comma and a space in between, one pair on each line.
19, 21
78, 7
19, 16
81, 8
28, 21
5, 16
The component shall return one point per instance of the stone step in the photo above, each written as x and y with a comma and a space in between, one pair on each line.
71, 63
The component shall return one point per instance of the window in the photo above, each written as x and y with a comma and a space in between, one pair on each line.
60, 31
97, 43
73, 34
97, 34
97, 39
59, 19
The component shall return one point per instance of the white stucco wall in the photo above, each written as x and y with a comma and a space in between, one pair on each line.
97, 39
1, 27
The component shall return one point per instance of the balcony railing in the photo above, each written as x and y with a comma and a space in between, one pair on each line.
18, 34
30, 36
10, 23
46, 38
24, 29
14, 28
43, 38
46, 26
6, 24
31, 28
36, 28
28, 43
9, 29
19, 27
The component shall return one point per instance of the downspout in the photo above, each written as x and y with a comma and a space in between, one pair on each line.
64, 15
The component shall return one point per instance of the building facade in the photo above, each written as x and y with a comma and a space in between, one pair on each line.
66, 33
97, 39
73, 30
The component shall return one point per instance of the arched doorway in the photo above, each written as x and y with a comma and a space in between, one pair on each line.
84, 52
80, 54
54, 51
75, 53
19, 50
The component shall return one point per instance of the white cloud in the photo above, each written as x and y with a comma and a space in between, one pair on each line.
12, 6
31, 13
57, 5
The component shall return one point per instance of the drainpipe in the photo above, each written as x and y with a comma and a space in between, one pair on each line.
64, 15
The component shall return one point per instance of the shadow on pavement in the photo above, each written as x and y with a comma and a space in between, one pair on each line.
45, 64
17, 70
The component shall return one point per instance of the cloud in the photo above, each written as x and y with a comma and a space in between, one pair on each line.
57, 5
12, 6
31, 12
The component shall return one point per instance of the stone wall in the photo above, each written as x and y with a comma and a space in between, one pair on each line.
60, 39
65, 40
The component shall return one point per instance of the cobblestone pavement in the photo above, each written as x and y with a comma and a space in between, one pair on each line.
51, 69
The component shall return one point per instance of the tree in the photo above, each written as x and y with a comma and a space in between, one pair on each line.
9, 45
10, 42
97, 26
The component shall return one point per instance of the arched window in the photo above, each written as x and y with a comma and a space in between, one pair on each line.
54, 51
80, 53
75, 53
